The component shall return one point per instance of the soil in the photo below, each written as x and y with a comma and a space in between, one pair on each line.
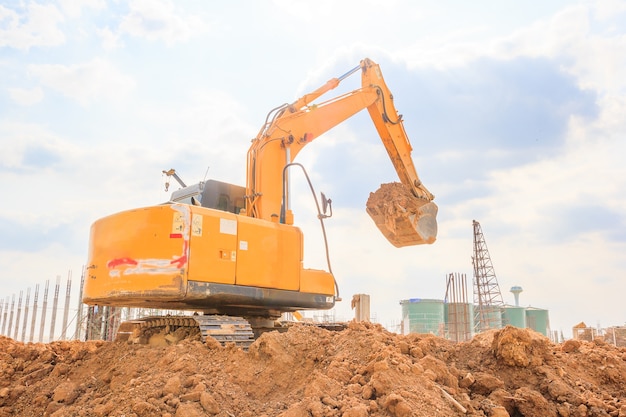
402, 218
308, 371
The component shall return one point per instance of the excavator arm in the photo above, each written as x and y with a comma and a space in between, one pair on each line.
289, 128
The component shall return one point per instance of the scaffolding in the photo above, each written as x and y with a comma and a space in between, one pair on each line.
459, 312
487, 295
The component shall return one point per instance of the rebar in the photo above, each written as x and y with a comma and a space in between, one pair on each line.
25, 321
68, 291
55, 303
43, 311
32, 323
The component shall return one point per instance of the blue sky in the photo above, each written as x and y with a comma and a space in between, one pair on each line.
515, 112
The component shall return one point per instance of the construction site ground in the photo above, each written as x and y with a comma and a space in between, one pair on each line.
308, 371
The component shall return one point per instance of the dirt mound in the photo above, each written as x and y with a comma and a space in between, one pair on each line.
307, 371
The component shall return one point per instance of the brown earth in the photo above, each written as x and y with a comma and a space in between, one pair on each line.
308, 371
401, 217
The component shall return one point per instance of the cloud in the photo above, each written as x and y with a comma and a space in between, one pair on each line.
517, 111
110, 39
585, 39
607, 10
36, 25
90, 81
514, 104
27, 148
570, 194
74, 8
158, 21
26, 97
582, 218
593, 51
32, 236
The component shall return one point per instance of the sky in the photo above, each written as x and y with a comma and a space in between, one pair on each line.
515, 111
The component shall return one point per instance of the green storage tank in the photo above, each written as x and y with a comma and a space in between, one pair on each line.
515, 316
423, 316
538, 320
487, 318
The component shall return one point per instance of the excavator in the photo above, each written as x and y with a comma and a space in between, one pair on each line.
232, 254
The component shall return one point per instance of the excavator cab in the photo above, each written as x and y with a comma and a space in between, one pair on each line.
212, 194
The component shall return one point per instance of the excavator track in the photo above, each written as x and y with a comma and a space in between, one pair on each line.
172, 329
226, 329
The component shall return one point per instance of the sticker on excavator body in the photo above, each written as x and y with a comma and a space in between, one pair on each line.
196, 225
228, 227
178, 223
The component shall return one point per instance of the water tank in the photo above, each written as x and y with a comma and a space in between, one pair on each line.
487, 317
538, 320
515, 316
423, 316
516, 290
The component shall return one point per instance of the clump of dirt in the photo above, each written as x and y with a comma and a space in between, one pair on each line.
312, 372
396, 193
402, 218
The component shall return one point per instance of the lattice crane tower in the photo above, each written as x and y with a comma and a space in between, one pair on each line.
487, 296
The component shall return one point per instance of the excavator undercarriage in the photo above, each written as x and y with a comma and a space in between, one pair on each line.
225, 330
173, 329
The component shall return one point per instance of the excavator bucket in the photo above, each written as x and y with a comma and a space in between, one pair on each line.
403, 219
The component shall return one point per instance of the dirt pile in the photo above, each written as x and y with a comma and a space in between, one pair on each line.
307, 371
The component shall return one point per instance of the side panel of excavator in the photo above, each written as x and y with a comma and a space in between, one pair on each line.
213, 247
137, 256
179, 256
272, 259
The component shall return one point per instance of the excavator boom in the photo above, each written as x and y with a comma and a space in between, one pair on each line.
408, 219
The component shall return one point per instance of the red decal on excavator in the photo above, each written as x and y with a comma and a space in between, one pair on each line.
176, 235
180, 262
120, 261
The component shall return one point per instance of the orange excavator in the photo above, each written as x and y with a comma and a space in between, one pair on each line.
232, 254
